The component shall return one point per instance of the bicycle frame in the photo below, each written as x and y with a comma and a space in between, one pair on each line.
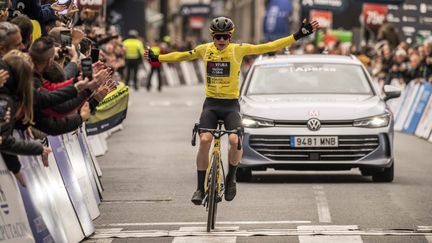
215, 151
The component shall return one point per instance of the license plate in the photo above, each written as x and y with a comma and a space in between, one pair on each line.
305, 141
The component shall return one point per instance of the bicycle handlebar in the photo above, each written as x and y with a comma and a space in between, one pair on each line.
218, 133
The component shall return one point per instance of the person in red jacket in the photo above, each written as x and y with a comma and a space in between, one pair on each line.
155, 67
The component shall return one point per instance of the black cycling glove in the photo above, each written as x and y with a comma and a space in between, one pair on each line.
153, 57
305, 30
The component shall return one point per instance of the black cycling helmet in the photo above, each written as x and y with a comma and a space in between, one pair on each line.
222, 24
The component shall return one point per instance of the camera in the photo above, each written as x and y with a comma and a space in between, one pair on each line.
87, 68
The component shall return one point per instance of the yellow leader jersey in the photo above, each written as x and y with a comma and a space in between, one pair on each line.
223, 66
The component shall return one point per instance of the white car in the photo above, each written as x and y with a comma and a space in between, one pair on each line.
315, 112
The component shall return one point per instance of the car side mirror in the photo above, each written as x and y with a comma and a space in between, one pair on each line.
391, 92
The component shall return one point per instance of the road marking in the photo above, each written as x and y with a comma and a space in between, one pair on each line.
210, 238
204, 223
328, 238
107, 240
339, 231
426, 229
160, 103
322, 205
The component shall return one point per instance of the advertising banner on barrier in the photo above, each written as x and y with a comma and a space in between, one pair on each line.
72, 185
14, 225
424, 127
419, 106
83, 174
406, 105
110, 112
40, 206
91, 164
68, 217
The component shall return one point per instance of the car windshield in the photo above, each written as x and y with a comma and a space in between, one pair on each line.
308, 78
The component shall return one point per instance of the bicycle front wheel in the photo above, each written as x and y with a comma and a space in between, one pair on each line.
212, 194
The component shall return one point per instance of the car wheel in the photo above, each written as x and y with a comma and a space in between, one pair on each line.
244, 174
387, 175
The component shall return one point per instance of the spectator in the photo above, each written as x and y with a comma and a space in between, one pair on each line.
26, 28
388, 32
10, 38
134, 54
155, 67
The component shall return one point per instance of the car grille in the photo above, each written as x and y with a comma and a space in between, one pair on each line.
277, 147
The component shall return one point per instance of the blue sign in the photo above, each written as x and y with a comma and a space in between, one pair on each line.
419, 105
276, 19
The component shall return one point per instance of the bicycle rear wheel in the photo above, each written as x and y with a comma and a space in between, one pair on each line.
212, 194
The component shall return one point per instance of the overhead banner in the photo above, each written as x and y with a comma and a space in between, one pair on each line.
14, 225
336, 6
276, 19
110, 112
412, 19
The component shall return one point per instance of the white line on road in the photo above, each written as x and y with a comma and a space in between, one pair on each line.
426, 229
329, 238
315, 231
204, 223
209, 239
322, 205
107, 240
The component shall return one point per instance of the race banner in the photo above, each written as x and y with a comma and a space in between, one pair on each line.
14, 226
374, 15
324, 18
276, 19
110, 112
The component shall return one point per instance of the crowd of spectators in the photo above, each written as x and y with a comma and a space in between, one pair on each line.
56, 65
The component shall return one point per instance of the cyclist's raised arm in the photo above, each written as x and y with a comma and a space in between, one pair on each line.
305, 30
196, 53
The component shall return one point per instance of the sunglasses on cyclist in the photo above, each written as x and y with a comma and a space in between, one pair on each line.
222, 36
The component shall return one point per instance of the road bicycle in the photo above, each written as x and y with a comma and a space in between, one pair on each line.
214, 187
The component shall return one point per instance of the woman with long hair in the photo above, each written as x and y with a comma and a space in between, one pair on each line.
16, 105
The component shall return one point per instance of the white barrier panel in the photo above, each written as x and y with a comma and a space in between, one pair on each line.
39, 201
14, 225
69, 219
430, 138
201, 70
96, 145
169, 74
103, 139
395, 104
406, 105
83, 174
72, 185
418, 106
188, 73
424, 127
92, 163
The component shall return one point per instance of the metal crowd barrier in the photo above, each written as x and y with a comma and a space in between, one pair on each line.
413, 110
60, 202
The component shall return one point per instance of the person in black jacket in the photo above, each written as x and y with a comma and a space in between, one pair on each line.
16, 98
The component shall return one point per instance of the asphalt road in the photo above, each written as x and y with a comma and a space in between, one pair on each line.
149, 176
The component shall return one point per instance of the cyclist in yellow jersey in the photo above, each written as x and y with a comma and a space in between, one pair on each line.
222, 61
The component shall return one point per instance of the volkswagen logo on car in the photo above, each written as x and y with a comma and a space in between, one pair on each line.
313, 124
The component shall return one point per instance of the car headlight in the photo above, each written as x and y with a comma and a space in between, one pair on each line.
373, 122
253, 122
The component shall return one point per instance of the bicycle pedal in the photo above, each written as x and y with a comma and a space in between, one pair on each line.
218, 198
